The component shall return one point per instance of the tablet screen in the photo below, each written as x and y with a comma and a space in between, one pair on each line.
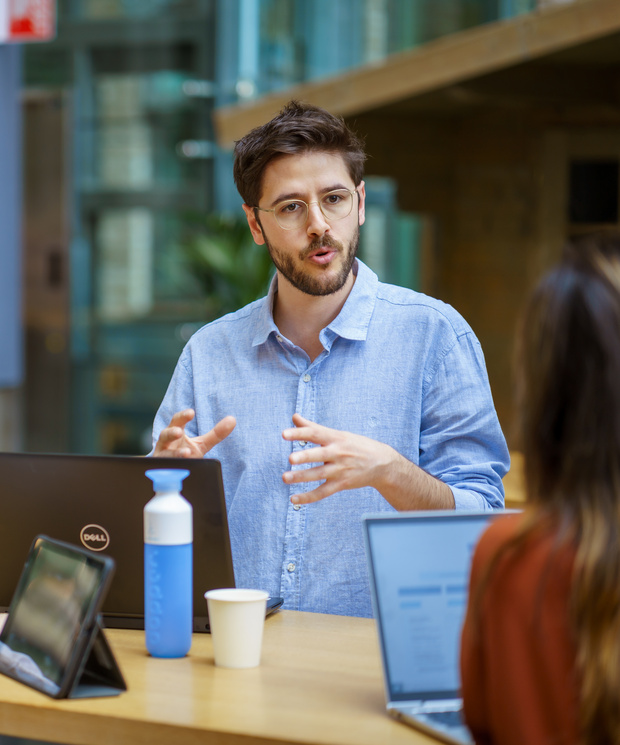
54, 600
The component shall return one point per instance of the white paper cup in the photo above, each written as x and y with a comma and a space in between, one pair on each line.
236, 617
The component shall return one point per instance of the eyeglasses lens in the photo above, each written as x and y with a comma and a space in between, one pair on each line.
292, 214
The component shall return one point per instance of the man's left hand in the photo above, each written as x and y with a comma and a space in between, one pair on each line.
344, 460
348, 461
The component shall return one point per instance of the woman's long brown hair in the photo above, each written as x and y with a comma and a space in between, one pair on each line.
568, 392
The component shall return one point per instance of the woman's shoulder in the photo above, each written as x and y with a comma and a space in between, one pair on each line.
537, 541
501, 530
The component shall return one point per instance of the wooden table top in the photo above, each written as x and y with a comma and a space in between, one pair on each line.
320, 681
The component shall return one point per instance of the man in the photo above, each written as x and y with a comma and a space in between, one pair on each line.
386, 389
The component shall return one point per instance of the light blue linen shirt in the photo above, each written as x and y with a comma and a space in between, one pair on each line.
397, 366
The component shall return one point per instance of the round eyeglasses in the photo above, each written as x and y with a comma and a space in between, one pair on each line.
292, 214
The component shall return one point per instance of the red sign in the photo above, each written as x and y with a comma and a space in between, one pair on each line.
27, 20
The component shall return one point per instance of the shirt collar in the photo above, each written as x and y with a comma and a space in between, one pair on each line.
265, 324
352, 321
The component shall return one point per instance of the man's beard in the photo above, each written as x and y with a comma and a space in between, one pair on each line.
316, 284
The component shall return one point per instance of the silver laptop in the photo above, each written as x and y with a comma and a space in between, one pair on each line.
419, 569
96, 501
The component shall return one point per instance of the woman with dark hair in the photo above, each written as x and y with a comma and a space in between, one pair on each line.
540, 656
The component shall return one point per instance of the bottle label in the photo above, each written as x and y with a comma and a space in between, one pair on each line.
168, 594
154, 597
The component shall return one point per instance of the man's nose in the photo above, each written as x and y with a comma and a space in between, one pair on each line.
317, 224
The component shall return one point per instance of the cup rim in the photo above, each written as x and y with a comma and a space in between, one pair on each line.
236, 595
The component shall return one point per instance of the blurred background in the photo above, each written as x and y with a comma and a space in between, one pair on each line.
493, 129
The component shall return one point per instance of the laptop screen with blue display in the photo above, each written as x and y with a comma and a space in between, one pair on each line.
420, 565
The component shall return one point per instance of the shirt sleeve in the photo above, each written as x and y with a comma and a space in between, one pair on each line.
179, 396
461, 441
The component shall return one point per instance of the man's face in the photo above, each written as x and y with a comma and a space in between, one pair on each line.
317, 257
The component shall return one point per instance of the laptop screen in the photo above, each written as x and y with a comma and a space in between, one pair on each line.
419, 567
97, 501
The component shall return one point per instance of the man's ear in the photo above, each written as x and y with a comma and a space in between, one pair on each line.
361, 213
255, 228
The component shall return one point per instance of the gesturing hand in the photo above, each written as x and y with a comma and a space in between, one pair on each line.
174, 443
344, 460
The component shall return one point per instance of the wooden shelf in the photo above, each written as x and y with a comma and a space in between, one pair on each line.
447, 64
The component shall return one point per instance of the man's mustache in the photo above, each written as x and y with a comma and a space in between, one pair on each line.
325, 241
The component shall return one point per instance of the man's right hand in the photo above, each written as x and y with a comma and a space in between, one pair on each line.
174, 443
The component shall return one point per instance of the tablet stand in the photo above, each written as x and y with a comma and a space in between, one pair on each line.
100, 674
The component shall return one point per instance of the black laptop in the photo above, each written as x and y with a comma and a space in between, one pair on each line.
96, 501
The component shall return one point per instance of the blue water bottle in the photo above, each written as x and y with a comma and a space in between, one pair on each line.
168, 584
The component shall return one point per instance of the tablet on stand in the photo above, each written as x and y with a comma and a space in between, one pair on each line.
52, 639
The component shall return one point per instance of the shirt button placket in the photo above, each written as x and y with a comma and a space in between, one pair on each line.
295, 524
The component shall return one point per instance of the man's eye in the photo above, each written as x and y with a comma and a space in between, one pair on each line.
289, 208
332, 199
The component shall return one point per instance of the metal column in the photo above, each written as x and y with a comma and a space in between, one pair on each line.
11, 351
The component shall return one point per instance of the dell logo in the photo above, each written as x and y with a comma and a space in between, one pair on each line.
95, 537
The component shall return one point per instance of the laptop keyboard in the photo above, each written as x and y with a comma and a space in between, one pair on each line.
445, 718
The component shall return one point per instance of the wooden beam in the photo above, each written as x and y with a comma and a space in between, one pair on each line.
447, 61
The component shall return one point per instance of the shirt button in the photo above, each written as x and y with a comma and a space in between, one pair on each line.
291, 567
279, 338
302, 443
296, 507
307, 378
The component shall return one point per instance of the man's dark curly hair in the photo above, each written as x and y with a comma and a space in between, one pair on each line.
298, 128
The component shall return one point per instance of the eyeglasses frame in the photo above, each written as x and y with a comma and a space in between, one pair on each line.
316, 201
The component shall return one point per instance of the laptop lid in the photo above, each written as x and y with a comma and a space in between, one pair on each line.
97, 502
419, 568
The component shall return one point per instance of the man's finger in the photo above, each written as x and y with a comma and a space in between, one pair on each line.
173, 453
300, 421
309, 455
170, 435
296, 433
181, 418
308, 474
311, 433
169, 441
220, 432
325, 490
224, 427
